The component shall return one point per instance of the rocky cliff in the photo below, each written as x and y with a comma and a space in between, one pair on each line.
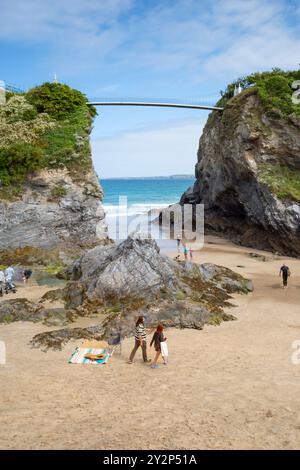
248, 169
50, 196
54, 209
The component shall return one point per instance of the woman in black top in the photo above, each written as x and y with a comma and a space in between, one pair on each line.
157, 339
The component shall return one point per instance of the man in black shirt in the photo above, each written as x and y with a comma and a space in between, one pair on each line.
285, 273
26, 274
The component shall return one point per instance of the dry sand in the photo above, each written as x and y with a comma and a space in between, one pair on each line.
231, 386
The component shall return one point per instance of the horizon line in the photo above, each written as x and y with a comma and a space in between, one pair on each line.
179, 176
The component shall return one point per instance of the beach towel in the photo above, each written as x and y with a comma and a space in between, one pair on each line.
164, 349
79, 353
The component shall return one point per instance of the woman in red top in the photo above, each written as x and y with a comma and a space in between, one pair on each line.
157, 339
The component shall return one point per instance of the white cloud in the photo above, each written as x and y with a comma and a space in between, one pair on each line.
166, 150
258, 39
77, 33
46, 20
226, 36
197, 39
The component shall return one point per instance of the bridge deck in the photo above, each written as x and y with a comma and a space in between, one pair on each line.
155, 104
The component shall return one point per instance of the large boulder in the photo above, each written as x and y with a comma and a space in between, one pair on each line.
133, 269
136, 270
133, 279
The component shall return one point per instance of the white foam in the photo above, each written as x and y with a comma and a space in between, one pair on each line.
115, 210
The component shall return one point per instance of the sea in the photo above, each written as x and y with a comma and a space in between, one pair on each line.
127, 203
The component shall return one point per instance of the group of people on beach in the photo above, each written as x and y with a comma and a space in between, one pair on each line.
187, 251
284, 271
158, 340
7, 279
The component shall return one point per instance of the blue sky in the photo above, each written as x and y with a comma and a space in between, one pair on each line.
146, 48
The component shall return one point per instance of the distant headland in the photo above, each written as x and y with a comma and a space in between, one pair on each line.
170, 177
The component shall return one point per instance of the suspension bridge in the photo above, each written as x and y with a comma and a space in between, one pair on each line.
160, 103
203, 102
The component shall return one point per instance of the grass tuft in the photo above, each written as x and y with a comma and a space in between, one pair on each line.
282, 181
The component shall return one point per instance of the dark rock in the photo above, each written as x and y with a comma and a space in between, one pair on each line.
178, 314
53, 316
234, 148
22, 310
225, 278
73, 295
54, 295
260, 257
16, 310
57, 339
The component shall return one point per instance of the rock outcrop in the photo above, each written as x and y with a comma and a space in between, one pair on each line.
46, 217
248, 166
136, 271
121, 282
14, 310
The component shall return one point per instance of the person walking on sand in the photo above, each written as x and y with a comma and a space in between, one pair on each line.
9, 285
2, 283
185, 252
140, 337
178, 243
284, 273
9, 274
157, 340
26, 275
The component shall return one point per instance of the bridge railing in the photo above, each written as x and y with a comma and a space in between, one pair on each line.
208, 100
11, 88
14, 89
202, 100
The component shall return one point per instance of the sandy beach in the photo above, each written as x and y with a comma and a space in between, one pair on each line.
232, 386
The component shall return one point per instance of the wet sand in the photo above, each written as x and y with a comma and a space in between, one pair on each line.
29, 291
231, 386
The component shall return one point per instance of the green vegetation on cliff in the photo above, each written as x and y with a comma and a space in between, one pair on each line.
58, 101
282, 181
47, 127
274, 89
